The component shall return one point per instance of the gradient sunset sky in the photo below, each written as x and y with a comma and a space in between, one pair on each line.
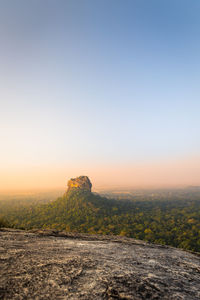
108, 89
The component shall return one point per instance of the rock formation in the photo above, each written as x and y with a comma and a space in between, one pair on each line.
58, 265
81, 182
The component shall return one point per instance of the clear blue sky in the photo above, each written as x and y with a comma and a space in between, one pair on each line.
98, 82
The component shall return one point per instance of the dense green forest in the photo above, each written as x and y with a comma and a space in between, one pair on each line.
171, 221
4, 223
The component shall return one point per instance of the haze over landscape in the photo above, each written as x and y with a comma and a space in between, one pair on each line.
99, 149
103, 88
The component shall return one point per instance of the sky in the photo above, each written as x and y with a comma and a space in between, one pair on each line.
108, 89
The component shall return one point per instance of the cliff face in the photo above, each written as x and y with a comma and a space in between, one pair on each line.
81, 182
57, 265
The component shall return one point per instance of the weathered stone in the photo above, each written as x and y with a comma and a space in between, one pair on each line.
81, 182
59, 265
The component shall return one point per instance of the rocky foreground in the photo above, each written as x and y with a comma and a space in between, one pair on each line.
57, 265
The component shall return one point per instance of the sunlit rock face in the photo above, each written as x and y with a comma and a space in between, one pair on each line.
81, 182
45, 264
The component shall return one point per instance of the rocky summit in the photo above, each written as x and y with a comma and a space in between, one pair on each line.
60, 265
81, 182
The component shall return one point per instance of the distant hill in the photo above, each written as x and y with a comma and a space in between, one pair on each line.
194, 187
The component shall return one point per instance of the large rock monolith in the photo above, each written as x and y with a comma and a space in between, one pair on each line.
81, 182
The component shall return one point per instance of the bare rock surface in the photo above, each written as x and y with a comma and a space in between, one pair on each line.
81, 182
57, 265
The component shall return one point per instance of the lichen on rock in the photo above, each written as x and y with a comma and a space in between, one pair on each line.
81, 182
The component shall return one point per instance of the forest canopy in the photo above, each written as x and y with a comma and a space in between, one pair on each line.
172, 221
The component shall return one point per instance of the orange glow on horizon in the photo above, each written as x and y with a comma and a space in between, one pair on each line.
163, 174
